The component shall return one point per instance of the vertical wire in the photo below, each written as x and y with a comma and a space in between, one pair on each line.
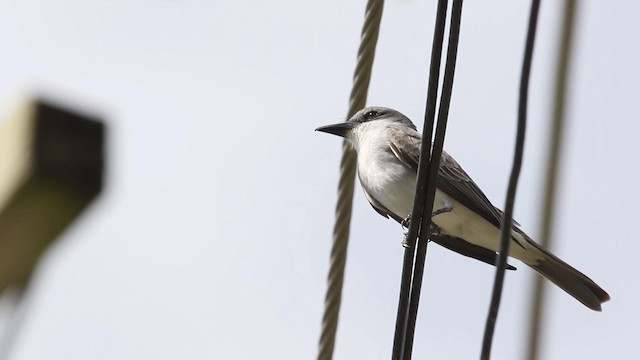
419, 202
553, 163
507, 218
335, 279
434, 165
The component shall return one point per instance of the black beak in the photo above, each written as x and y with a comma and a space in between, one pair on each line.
341, 129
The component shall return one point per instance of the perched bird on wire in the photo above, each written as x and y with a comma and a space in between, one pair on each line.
388, 148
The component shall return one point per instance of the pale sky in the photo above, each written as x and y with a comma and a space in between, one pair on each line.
212, 237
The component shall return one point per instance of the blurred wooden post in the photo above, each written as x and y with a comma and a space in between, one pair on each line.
51, 168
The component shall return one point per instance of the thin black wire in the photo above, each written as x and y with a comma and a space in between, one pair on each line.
553, 164
507, 217
434, 165
419, 202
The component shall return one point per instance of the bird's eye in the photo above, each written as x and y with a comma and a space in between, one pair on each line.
371, 114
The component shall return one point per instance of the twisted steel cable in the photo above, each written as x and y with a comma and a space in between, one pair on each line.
358, 97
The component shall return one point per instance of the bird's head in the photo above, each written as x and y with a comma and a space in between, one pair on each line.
366, 122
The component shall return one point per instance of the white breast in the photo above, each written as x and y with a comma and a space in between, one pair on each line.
381, 174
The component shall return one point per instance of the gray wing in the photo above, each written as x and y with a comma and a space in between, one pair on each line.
452, 179
455, 182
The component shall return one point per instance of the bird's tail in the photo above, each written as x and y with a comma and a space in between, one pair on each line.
569, 279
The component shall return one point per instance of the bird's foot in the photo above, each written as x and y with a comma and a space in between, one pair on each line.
405, 241
406, 222
405, 225
434, 230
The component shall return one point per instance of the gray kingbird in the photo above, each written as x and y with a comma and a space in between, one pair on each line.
388, 148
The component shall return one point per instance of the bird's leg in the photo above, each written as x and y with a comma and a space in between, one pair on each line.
434, 230
445, 209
